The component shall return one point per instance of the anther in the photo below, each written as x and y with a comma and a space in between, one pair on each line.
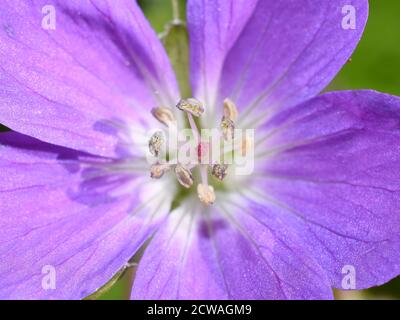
158, 170
192, 106
184, 176
219, 171
206, 194
203, 152
155, 143
228, 128
230, 110
164, 115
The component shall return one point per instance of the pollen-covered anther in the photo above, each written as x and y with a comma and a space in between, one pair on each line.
219, 171
184, 176
155, 143
228, 128
245, 146
192, 106
158, 170
163, 115
230, 110
206, 194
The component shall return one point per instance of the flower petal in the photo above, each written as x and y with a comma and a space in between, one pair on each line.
269, 53
334, 165
101, 62
56, 213
227, 253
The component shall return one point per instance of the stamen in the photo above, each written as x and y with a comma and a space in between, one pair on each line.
164, 115
196, 134
155, 143
219, 171
204, 174
184, 176
158, 170
191, 106
228, 128
206, 194
230, 110
194, 108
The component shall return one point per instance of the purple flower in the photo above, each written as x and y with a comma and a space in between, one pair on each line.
76, 197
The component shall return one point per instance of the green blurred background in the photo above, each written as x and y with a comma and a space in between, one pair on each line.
374, 65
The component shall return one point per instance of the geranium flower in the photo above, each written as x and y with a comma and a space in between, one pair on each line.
76, 195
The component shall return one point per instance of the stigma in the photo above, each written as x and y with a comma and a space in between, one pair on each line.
184, 172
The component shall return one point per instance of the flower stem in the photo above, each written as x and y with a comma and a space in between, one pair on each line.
175, 9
